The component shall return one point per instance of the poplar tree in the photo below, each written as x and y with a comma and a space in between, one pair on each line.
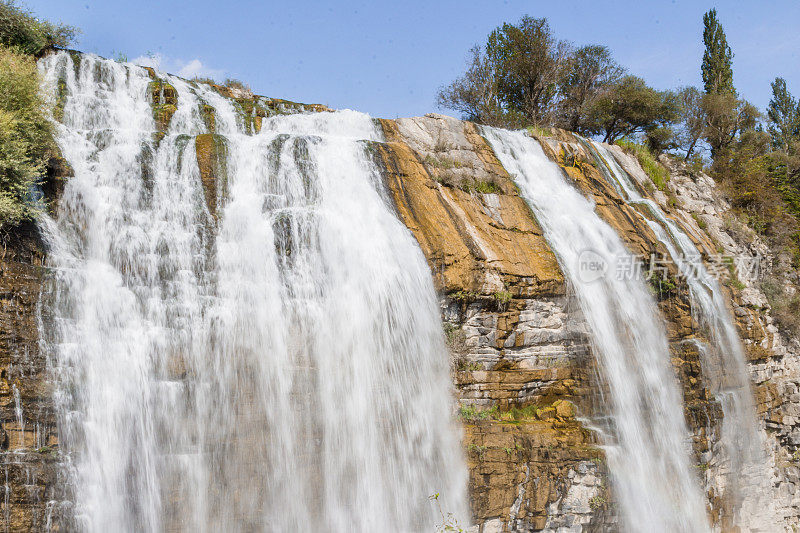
784, 115
717, 71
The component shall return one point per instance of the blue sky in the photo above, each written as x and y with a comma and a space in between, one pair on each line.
389, 58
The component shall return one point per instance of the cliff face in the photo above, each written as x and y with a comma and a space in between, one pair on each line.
28, 438
523, 367
523, 370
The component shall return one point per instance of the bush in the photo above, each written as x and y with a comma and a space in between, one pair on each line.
25, 134
239, 88
655, 170
20, 30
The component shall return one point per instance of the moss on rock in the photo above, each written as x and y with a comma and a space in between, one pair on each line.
164, 100
212, 163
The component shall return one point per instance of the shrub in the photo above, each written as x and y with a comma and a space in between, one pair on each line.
470, 413
206, 80
655, 170
239, 88
25, 134
487, 187
20, 30
785, 307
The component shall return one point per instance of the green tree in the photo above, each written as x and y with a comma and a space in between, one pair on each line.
784, 116
474, 94
26, 137
586, 73
631, 107
25, 134
513, 79
726, 118
692, 120
22, 31
717, 70
528, 60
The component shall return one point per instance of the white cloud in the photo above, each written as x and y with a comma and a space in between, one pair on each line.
184, 69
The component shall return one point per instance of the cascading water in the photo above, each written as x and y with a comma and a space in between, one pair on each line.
724, 363
277, 366
647, 448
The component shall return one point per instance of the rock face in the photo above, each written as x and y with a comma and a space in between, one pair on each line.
521, 361
523, 370
28, 439
519, 352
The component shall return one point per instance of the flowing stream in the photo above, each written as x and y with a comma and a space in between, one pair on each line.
278, 365
743, 461
647, 441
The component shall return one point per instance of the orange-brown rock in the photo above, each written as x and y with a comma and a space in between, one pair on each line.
476, 242
211, 161
28, 438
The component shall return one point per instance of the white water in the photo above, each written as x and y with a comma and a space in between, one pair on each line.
648, 449
282, 368
724, 365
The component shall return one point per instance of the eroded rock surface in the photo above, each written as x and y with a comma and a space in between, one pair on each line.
522, 366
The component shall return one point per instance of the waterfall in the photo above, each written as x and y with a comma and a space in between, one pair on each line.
278, 364
723, 360
647, 441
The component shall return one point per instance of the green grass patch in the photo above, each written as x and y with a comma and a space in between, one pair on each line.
471, 413
654, 170
487, 187
700, 222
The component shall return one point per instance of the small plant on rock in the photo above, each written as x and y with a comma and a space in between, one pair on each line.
597, 502
448, 521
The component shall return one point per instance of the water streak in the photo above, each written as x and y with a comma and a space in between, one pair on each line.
741, 457
272, 362
648, 453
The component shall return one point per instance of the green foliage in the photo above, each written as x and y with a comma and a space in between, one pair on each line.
524, 76
206, 80
655, 170
700, 222
691, 125
629, 107
763, 187
26, 34
717, 58
526, 59
502, 297
25, 135
464, 365
487, 187
659, 138
784, 116
662, 287
785, 308
597, 502
474, 94
585, 75
470, 413
518, 414
449, 523
727, 117
456, 340
539, 131
239, 87
464, 296
480, 451
443, 163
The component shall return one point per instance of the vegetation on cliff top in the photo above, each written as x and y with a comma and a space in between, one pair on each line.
523, 76
26, 136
